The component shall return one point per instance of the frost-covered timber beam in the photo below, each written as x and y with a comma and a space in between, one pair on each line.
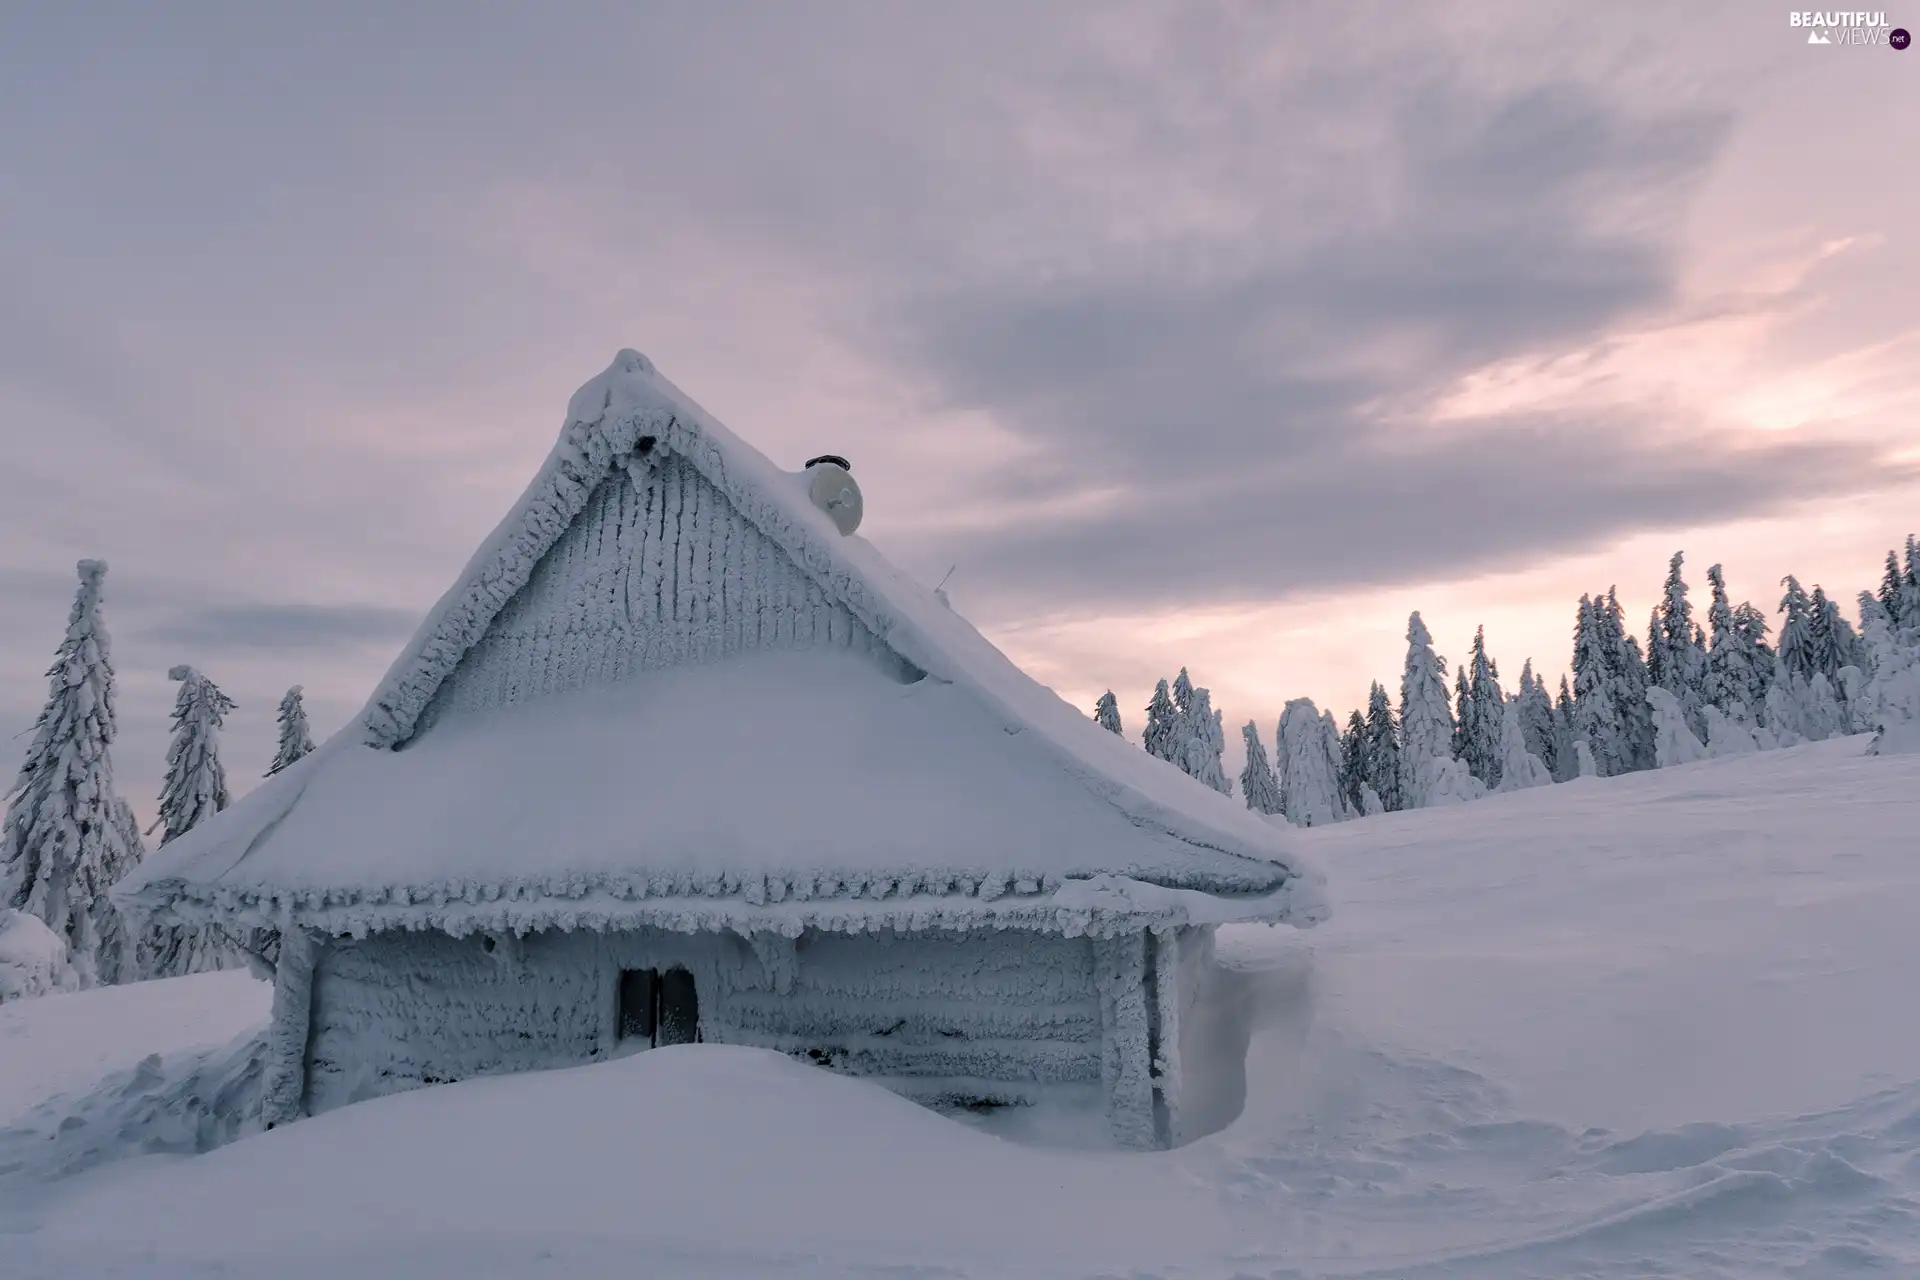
283, 1082
1120, 971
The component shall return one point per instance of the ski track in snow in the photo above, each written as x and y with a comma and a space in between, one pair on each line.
1657, 1026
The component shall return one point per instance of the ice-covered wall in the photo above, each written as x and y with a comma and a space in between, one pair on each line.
991, 1015
396, 1010
659, 570
1179, 962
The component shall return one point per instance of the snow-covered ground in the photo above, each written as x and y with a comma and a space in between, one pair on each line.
1660, 1025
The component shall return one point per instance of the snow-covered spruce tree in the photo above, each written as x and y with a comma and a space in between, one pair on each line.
1426, 721
1893, 596
68, 835
194, 789
1537, 729
1627, 669
1353, 762
1596, 718
1751, 622
1106, 714
1384, 774
1462, 713
295, 740
1731, 658
1676, 660
1910, 614
1183, 693
1563, 734
1258, 786
196, 782
1519, 767
1330, 739
1673, 741
1835, 643
1890, 700
1308, 788
1796, 630
1204, 743
1162, 736
1484, 727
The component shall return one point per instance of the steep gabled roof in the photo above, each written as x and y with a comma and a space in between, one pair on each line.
630, 412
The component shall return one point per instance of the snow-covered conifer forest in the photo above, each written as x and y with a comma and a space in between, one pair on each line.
1737, 684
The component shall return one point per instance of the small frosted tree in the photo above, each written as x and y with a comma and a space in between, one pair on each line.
1537, 728
1785, 706
1483, 713
1733, 657
1563, 734
1330, 742
1751, 622
295, 739
1445, 781
1353, 762
1106, 714
1587, 767
1890, 700
1796, 649
1309, 789
1893, 595
196, 782
1462, 713
1200, 753
1257, 784
194, 789
1426, 721
1675, 660
1825, 716
68, 835
1910, 616
1519, 767
1627, 670
1383, 769
1596, 719
1831, 635
1727, 735
1162, 737
1674, 742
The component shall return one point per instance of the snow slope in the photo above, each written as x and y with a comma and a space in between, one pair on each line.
1658, 1025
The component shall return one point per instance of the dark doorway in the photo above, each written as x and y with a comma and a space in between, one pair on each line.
679, 1017
639, 995
659, 1008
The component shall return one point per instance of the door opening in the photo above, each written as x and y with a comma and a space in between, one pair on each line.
659, 1008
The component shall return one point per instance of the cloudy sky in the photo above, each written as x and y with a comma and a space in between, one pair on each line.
1215, 334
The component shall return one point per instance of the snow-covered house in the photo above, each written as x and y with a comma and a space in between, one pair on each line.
675, 759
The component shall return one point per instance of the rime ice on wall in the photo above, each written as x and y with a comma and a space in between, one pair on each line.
997, 1011
659, 570
398, 1010
994, 1016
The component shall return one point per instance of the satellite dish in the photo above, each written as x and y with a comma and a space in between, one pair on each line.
830, 485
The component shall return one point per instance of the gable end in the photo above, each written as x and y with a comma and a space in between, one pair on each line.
658, 570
